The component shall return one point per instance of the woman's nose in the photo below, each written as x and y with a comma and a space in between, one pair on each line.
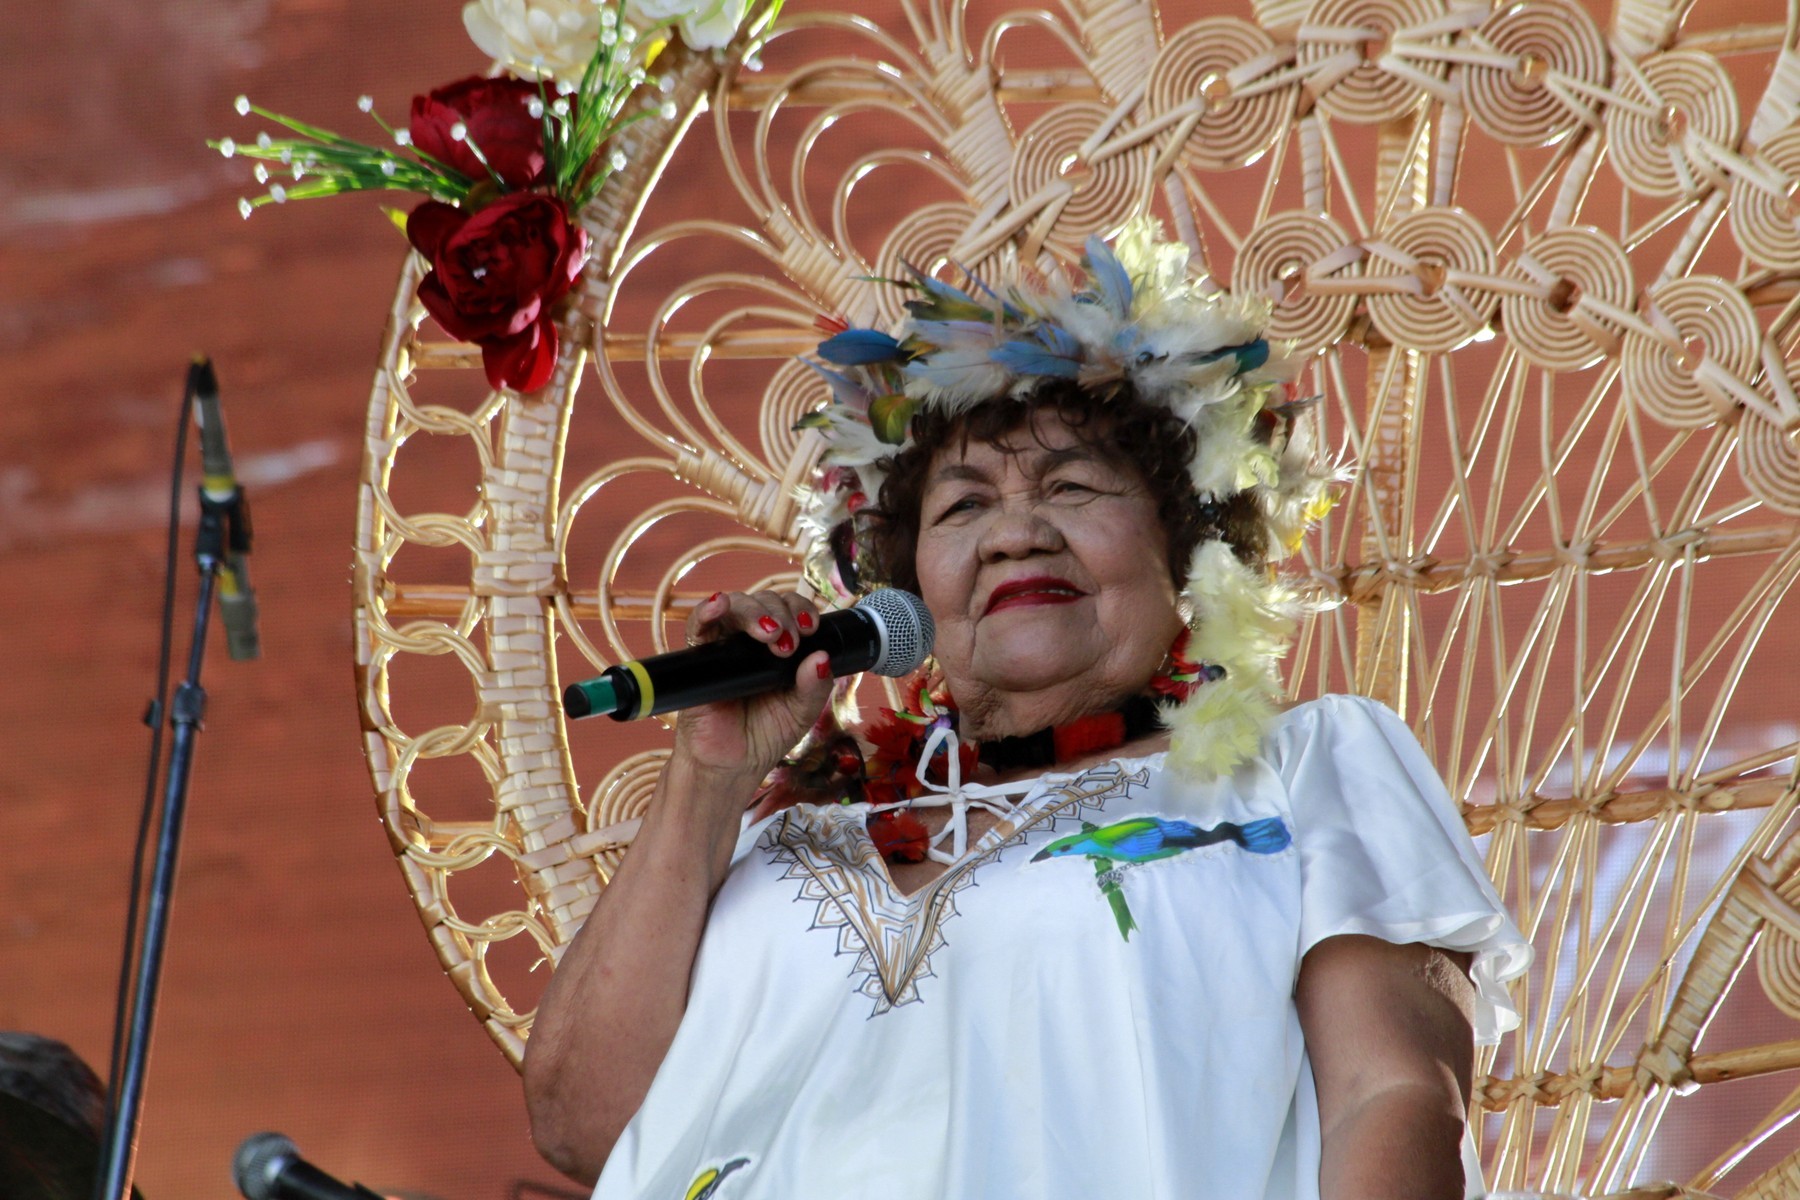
1017, 531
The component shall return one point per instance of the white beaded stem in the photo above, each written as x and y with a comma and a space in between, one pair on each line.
1501, 245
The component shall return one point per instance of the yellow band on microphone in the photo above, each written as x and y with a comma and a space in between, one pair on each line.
646, 689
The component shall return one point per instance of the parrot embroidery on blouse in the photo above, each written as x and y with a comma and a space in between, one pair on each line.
706, 1184
1116, 848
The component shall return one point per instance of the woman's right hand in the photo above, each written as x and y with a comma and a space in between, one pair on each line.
734, 744
619, 992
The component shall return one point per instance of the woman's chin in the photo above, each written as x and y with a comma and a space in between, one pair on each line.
1028, 649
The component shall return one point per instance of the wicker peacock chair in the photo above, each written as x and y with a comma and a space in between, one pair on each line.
1564, 554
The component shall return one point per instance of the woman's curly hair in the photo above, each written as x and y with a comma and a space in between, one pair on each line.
1150, 439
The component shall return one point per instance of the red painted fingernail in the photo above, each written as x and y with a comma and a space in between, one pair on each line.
715, 597
805, 621
785, 642
767, 624
824, 670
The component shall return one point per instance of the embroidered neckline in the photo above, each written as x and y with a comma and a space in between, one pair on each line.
891, 934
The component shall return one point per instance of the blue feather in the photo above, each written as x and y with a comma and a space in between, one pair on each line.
1028, 358
844, 390
859, 347
1110, 276
1011, 312
951, 334
1059, 340
1267, 836
1137, 843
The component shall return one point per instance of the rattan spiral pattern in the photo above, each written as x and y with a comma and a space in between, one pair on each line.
1433, 264
1764, 217
1559, 548
1060, 169
1347, 48
1699, 328
1200, 73
1549, 54
1778, 953
1672, 106
1305, 266
1769, 457
1581, 274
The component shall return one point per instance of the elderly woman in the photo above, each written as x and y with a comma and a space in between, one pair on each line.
1245, 958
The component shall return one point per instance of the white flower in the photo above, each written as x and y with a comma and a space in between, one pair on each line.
536, 37
556, 38
705, 24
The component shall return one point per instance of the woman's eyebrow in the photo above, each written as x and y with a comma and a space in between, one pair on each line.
1048, 460
1052, 459
958, 472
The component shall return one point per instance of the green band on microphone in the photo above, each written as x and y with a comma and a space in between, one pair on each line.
589, 697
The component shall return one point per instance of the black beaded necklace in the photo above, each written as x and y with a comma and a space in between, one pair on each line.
1090, 734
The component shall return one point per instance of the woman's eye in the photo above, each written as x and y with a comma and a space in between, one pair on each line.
1070, 487
966, 504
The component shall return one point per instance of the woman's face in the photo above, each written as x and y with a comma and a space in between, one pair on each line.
1046, 567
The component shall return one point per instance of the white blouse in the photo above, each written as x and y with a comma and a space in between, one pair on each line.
1096, 1001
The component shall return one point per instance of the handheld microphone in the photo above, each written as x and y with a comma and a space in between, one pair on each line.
268, 1166
222, 500
889, 632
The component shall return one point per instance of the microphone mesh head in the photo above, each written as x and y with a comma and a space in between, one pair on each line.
907, 630
258, 1161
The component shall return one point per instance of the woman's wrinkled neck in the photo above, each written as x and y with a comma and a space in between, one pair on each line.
986, 713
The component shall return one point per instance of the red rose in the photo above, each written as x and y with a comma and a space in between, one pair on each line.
495, 114
494, 275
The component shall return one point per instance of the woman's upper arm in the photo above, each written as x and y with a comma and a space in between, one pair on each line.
1380, 1018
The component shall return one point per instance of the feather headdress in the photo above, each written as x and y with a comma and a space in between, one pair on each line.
1138, 317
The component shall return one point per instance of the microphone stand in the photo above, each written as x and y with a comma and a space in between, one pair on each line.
219, 526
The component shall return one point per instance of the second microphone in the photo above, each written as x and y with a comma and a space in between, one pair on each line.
889, 632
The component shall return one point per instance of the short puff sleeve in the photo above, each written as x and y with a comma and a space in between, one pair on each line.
1383, 851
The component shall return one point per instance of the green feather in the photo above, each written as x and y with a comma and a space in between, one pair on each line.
889, 416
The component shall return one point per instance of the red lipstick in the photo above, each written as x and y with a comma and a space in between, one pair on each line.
1037, 589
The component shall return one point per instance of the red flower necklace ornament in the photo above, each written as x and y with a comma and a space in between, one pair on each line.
1181, 675
899, 836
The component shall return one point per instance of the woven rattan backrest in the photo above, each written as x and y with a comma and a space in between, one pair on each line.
1545, 267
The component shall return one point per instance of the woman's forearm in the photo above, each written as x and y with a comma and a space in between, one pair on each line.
612, 1008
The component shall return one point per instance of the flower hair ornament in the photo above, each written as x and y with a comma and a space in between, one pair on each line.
1133, 316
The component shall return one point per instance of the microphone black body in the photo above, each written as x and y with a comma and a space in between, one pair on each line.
890, 633
268, 1167
225, 529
